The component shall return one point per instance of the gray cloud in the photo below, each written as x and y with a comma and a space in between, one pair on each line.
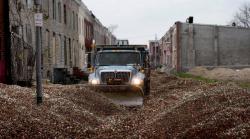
140, 20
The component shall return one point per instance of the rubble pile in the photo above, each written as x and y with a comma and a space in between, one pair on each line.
68, 111
180, 108
176, 108
222, 73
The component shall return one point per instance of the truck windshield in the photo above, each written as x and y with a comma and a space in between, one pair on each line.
118, 58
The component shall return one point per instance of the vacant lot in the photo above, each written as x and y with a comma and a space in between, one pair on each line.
176, 108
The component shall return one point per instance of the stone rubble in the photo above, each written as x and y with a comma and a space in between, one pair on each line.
176, 108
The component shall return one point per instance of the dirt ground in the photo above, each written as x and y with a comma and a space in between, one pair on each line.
176, 108
223, 73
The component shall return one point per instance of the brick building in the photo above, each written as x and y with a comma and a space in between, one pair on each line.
210, 46
67, 34
155, 53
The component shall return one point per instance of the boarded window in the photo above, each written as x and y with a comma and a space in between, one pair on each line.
76, 21
59, 12
73, 20
28, 34
54, 9
48, 43
65, 50
65, 14
45, 7
70, 56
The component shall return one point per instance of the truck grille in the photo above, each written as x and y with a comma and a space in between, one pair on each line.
115, 78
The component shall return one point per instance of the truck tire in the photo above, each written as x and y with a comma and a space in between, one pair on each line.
146, 88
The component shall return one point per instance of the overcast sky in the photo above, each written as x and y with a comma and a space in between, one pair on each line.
140, 20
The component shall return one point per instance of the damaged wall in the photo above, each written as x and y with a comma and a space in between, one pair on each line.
209, 46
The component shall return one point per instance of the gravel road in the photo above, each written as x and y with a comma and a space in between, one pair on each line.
176, 108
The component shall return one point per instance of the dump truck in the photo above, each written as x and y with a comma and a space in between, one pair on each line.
122, 67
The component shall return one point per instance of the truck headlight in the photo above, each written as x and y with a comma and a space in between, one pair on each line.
137, 81
94, 82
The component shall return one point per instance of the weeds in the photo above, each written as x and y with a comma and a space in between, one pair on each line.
245, 85
199, 78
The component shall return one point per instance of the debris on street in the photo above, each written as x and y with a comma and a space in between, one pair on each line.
175, 108
222, 73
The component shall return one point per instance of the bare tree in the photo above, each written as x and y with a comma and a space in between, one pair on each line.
242, 17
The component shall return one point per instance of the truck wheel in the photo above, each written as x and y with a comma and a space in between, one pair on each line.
146, 88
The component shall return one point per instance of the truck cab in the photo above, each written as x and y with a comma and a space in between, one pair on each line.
121, 66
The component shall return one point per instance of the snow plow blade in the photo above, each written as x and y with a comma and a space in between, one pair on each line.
122, 95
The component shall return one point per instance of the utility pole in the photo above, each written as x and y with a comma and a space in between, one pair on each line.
156, 46
38, 24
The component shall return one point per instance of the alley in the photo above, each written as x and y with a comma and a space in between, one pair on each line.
177, 107
173, 69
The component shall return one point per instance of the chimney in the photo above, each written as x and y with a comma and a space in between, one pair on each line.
190, 20
234, 24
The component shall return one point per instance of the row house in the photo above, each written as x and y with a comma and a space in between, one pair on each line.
61, 46
155, 52
20, 43
68, 32
166, 49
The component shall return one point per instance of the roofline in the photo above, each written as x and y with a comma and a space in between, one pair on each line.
117, 51
102, 45
201, 24
153, 40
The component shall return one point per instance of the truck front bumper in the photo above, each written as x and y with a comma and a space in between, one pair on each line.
115, 88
